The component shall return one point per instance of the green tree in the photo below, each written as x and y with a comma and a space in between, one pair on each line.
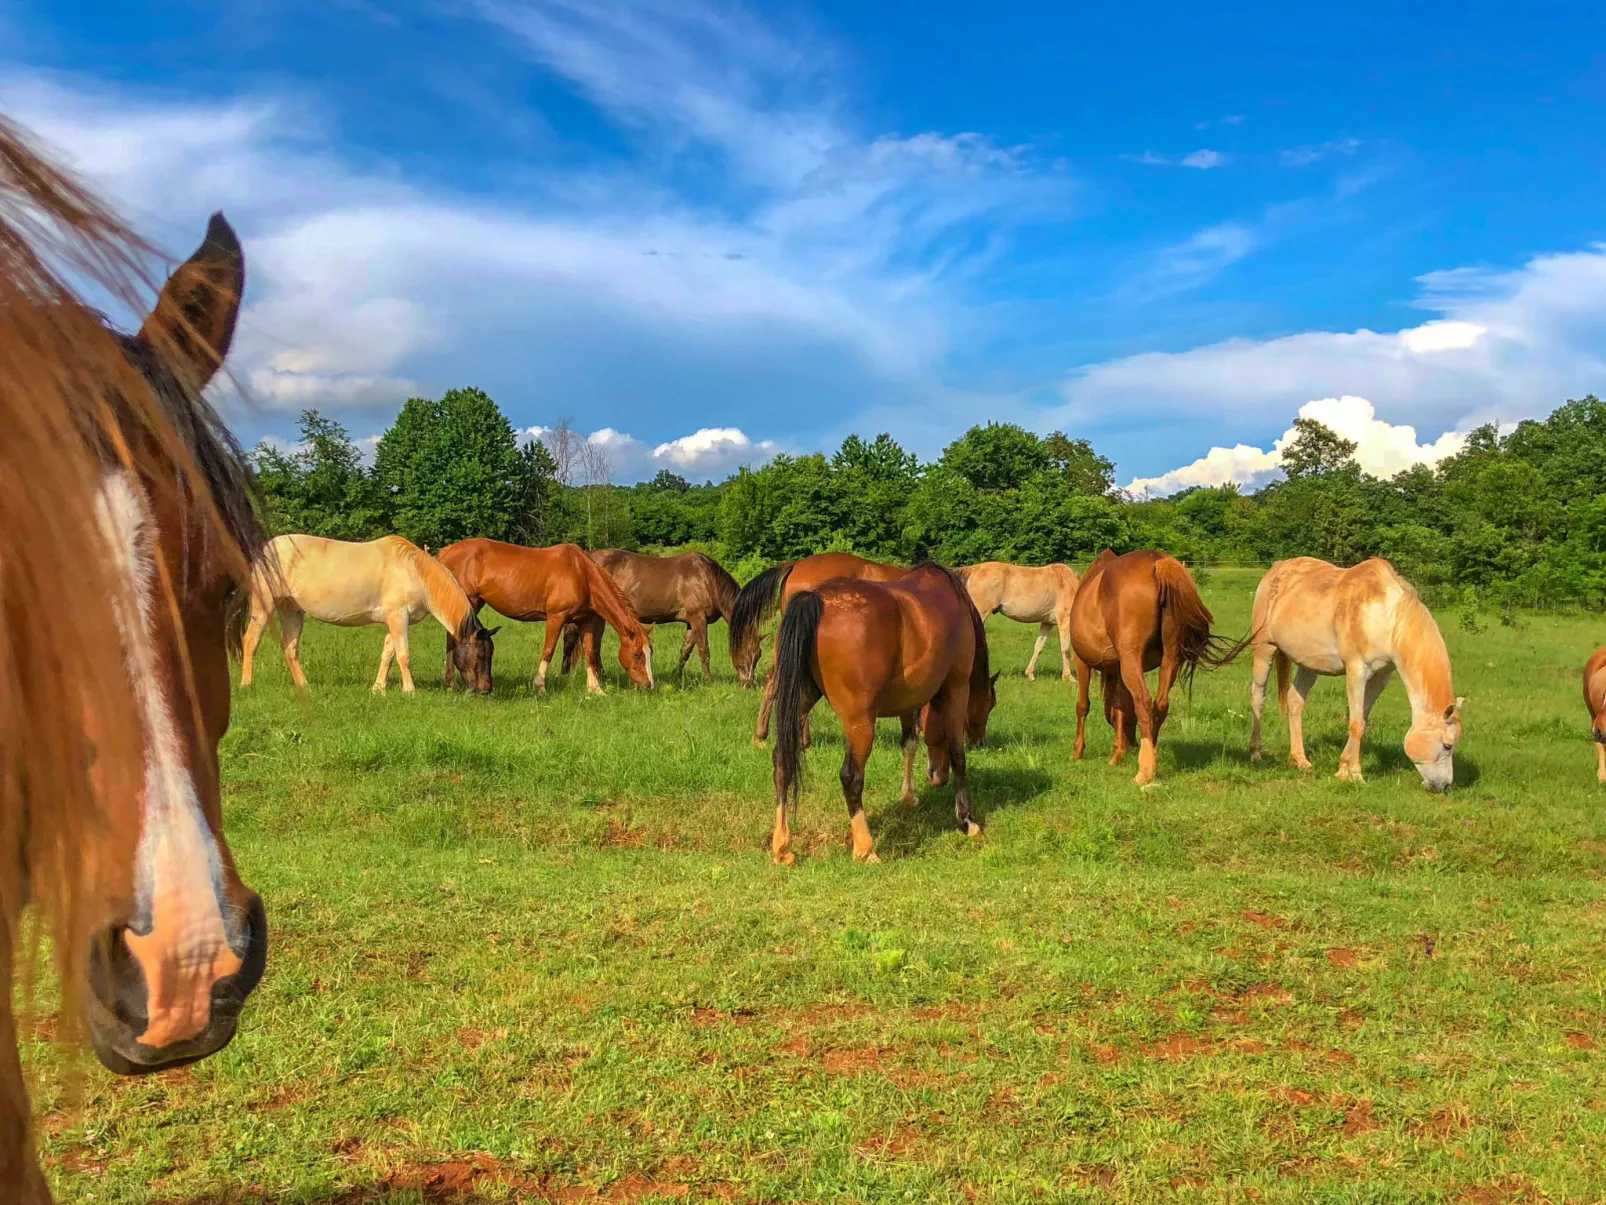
320, 488
1316, 448
452, 469
1084, 469
999, 456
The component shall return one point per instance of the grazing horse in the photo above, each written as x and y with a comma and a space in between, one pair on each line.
1365, 623
691, 588
389, 580
126, 532
881, 649
1134, 613
1595, 700
1027, 594
777, 587
560, 584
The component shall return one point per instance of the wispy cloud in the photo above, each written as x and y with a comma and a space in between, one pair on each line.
1194, 261
1203, 159
1304, 156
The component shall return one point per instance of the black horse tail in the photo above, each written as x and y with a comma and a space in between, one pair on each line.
753, 606
795, 689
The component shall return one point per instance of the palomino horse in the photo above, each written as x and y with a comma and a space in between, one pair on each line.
691, 588
1027, 594
558, 584
872, 650
126, 529
778, 586
1135, 613
1595, 700
1365, 623
389, 580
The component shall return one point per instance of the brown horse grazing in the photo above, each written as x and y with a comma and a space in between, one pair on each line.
691, 588
1595, 700
873, 650
777, 587
557, 584
126, 533
1135, 613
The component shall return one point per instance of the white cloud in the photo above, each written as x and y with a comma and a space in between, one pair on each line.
1383, 449
1304, 156
1194, 261
1204, 160
708, 454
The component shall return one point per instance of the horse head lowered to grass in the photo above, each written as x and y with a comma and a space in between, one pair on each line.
126, 531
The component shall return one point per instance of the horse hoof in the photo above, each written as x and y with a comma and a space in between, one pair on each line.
1298, 764
1031, 677
910, 800
972, 829
1143, 780
758, 742
870, 858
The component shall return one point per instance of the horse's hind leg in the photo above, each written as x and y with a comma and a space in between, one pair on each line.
1063, 623
699, 629
910, 740
1037, 649
686, 648
446, 678
761, 731
404, 659
571, 642
1084, 676
252, 638
955, 705
386, 655
1257, 695
1304, 679
290, 623
858, 734
1148, 716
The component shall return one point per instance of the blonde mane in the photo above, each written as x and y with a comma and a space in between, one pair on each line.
1419, 645
447, 601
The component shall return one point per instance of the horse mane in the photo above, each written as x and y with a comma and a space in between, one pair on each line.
726, 589
1416, 629
602, 583
755, 603
446, 595
77, 400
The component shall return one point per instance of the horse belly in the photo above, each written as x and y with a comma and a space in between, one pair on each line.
1317, 652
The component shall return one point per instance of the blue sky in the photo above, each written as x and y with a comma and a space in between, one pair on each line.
708, 231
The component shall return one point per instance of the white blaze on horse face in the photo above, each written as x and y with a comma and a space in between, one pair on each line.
183, 933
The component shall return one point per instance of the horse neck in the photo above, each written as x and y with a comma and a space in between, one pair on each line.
442, 595
609, 602
1422, 660
726, 590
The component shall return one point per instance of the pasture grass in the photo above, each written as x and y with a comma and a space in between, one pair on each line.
534, 949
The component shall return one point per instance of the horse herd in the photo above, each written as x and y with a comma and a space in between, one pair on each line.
132, 561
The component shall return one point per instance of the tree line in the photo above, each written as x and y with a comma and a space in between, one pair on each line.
1515, 519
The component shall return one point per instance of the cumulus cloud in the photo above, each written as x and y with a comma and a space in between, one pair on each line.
708, 454
1383, 449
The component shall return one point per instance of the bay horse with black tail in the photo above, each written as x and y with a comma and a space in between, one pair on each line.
560, 584
126, 535
691, 588
877, 649
773, 590
1135, 613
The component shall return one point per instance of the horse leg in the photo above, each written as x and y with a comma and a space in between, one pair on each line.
571, 641
685, 652
938, 764
385, 656
1304, 679
699, 629
252, 638
761, 731
290, 623
1084, 675
956, 704
446, 678
1257, 695
1063, 623
1042, 639
1358, 686
591, 637
910, 740
858, 734
18, 1166
404, 661
1148, 718
1600, 751
554, 626
1117, 713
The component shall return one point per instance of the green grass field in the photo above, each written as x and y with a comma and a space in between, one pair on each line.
535, 949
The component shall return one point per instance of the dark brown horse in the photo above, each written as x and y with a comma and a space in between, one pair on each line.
691, 588
875, 649
777, 587
558, 584
1135, 613
126, 532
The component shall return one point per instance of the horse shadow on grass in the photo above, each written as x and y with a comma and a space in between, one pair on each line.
903, 831
1378, 758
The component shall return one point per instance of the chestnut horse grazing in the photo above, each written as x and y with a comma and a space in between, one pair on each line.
691, 588
1134, 613
777, 587
875, 649
1027, 594
126, 532
560, 584
389, 580
1365, 623
1595, 700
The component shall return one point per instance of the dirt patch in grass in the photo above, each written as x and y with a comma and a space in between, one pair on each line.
855, 1061
1579, 1040
1339, 956
1265, 919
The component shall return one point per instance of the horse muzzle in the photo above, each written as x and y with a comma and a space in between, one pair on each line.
118, 1002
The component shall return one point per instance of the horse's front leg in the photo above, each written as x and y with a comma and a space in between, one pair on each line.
446, 678
18, 1166
554, 627
591, 642
1356, 679
956, 705
761, 731
385, 657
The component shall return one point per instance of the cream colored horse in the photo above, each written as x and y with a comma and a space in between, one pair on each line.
389, 581
1366, 623
1027, 594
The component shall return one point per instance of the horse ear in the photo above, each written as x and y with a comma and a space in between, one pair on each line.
647, 628
1459, 700
493, 631
192, 325
993, 681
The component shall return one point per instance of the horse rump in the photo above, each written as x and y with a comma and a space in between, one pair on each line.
795, 688
1181, 604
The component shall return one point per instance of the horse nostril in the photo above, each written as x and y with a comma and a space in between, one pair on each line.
117, 980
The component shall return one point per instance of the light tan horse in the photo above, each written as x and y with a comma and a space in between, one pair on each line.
389, 580
1027, 594
1366, 623
1595, 700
